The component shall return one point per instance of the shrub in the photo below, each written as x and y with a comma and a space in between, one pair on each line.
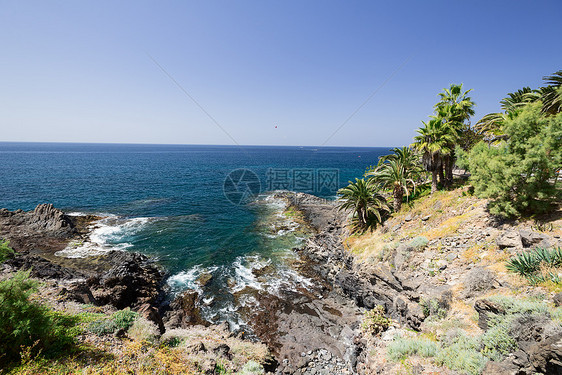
419, 243
401, 348
520, 174
432, 308
6, 251
514, 306
375, 322
462, 354
24, 323
143, 330
122, 319
252, 368
496, 341
537, 265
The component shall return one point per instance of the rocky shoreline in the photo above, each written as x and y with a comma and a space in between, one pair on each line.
315, 329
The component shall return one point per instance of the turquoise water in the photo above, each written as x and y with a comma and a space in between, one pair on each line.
168, 201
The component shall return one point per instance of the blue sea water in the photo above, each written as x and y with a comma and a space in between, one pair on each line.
168, 201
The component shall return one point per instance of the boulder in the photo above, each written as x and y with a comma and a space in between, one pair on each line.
485, 307
546, 356
478, 281
185, 311
49, 218
133, 281
528, 329
508, 239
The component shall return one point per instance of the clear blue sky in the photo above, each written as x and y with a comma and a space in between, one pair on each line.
77, 71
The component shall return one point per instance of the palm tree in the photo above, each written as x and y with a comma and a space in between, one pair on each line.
454, 108
364, 198
433, 142
397, 172
551, 95
491, 124
392, 175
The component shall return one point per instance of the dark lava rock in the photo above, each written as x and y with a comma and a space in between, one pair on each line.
484, 308
42, 268
151, 313
79, 292
184, 311
477, 281
133, 280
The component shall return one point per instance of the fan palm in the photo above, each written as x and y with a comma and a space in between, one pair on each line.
551, 95
366, 201
454, 108
433, 141
392, 175
397, 172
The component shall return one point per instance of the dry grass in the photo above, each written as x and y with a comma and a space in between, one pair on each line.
450, 211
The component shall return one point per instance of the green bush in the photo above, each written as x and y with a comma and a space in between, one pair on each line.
6, 251
401, 348
375, 322
496, 341
432, 308
122, 319
462, 354
419, 243
520, 174
514, 306
24, 323
252, 368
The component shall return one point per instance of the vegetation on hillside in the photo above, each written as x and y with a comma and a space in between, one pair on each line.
515, 157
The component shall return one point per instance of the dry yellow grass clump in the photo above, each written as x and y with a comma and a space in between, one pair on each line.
436, 216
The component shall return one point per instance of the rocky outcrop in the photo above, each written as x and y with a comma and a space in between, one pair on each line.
132, 281
515, 239
184, 311
538, 338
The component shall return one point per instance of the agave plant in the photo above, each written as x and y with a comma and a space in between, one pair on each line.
524, 264
529, 264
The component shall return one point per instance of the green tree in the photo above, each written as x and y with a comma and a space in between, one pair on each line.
521, 174
433, 141
364, 198
551, 95
454, 108
397, 172
490, 126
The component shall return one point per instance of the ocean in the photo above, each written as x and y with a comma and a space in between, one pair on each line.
199, 210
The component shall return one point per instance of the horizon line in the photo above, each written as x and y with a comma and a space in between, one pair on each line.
182, 144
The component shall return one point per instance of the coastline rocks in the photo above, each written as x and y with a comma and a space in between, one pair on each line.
133, 280
49, 218
184, 311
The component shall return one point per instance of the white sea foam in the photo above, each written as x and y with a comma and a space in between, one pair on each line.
107, 234
188, 280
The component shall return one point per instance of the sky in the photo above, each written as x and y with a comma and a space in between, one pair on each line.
260, 72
